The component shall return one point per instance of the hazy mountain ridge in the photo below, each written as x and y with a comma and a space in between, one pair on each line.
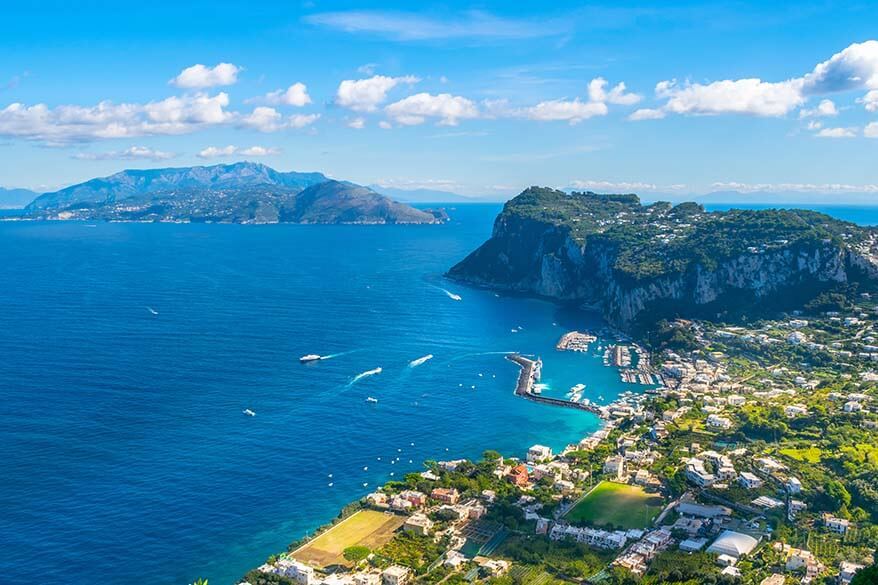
16, 198
235, 193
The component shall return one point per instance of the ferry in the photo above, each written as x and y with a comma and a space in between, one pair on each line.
311, 357
249, 412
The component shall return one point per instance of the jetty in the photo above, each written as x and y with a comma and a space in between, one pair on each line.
575, 341
530, 373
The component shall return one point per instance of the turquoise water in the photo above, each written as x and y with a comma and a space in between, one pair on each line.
128, 353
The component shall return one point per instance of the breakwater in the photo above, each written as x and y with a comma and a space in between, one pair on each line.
530, 373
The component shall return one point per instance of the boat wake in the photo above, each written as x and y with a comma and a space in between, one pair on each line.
420, 360
152, 311
365, 374
339, 354
451, 295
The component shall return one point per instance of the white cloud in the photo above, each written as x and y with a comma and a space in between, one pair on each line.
815, 125
855, 67
573, 112
201, 76
871, 130
266, 119
407, 26
218, 151
260, 151
741, 96
597, 93
302, 120
231, 150
796, 187
836, 133
415, 109
365, 95
69, 123
825, 108
647, 114
357, 123
295, 95
131, 153
624, 186
870, 101
385, 125
367, 69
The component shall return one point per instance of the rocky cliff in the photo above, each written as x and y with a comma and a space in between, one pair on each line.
639, 264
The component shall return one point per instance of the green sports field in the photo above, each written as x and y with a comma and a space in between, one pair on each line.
616, 504
366, 528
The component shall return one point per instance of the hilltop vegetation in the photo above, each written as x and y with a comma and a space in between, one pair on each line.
644, 263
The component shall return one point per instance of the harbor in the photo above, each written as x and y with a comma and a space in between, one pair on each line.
530, 374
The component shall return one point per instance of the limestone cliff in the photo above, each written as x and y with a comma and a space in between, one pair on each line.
639, 264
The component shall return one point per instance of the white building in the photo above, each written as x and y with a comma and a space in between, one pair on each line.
395, 575
837, 525
718, 422
539, 453
749, 481
615, 466
793, 485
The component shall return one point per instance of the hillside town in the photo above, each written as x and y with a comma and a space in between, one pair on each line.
756, 462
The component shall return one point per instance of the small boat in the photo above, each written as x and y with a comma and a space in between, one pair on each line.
152, 311
249, 412
371, 399
366, 468
311, 357
330, 484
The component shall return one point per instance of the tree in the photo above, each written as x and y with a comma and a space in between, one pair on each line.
355, 554
867, 576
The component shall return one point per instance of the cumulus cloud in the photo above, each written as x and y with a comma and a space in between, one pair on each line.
415, 109
741, 96
357, 123
797, 187
855, 67
597, 92
870, 101
201, 76
836, 133
295, 95
365, 95
647, 114
571, 111
825, 108
70, 123
871, 130
624, 186
231, 150
266, 119
131, 153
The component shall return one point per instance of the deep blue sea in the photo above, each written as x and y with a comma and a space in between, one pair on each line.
128, 353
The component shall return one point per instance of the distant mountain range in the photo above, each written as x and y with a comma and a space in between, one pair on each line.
16, 198
242, 192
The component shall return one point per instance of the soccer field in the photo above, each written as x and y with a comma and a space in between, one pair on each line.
366, 528
616, 504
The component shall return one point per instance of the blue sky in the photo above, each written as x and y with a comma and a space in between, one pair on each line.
481, 98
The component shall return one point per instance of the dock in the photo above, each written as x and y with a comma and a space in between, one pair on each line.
530, 373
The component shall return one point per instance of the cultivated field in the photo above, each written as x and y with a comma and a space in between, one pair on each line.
366, 528
616, 504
